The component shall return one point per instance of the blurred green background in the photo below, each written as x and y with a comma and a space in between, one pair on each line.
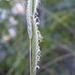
57, 26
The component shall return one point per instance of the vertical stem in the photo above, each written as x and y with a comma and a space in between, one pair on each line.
30, 55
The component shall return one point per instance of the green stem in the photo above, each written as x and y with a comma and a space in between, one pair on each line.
30, 55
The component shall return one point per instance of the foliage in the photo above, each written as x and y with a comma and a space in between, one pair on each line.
58, 29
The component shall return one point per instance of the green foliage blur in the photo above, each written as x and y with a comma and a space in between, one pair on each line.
57, 26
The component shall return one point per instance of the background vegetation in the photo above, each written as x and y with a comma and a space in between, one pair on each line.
57, 27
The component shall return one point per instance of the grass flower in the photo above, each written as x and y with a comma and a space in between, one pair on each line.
34, 34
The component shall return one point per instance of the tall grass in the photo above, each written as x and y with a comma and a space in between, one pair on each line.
34, 34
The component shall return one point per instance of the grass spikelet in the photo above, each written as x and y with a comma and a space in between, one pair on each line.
34, 34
